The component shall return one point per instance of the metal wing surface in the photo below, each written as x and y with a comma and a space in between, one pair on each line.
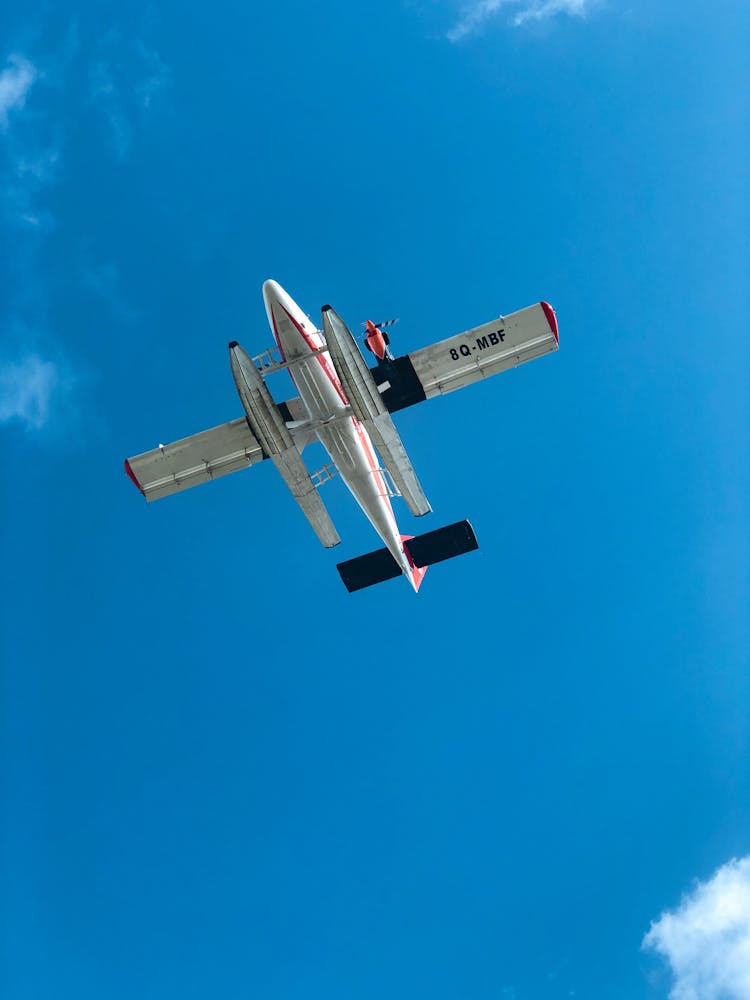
459, 361
197, 459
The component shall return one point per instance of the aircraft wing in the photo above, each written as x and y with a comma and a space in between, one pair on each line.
171, 468
459, 361
197, 459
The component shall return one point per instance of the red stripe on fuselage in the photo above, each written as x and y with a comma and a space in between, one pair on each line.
276, 337
325, 363
335, 382
364, 439
328, 369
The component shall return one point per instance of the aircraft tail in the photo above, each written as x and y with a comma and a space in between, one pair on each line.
416, 573
422, 551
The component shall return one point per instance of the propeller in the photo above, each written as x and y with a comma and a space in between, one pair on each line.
384, 324
376, 340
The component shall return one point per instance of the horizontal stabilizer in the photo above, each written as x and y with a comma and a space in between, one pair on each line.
424, 550
366, 571
443, 543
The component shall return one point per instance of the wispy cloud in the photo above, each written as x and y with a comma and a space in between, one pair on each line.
125, 90
156, 77
548, 8
30, 154
706, 940
102, 278
478, 12
27, 388
106, 97
30, 170
15, 82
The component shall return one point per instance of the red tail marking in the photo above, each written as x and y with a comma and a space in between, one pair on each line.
417, 572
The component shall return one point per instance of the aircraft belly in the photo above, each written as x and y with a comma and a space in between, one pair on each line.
345, 439
318, 395
343, 443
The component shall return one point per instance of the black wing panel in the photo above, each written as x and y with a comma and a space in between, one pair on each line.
425, 550
398, 383
367, 570
459, 361
443, 543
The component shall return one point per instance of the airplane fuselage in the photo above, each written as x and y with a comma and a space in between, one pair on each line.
347, 406
342, 435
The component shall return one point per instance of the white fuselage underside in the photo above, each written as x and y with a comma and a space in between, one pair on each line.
344, 438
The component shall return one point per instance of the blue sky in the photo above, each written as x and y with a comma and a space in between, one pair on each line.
222, 775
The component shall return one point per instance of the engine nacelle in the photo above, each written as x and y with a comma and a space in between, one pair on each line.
377, 341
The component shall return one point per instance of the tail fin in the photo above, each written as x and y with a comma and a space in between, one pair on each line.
422, 551
417, 572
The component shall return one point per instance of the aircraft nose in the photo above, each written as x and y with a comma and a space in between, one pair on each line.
271, 289
272, 297
272, 293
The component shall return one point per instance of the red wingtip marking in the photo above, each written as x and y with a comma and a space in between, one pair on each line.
549, 312
131, 476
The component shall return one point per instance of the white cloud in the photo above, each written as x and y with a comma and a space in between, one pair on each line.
474, 16
478, 12
27, 387
706, 940
15, 82
30, 155
30, 166
547, 8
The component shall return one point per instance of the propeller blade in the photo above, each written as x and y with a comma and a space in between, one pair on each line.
384, 323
